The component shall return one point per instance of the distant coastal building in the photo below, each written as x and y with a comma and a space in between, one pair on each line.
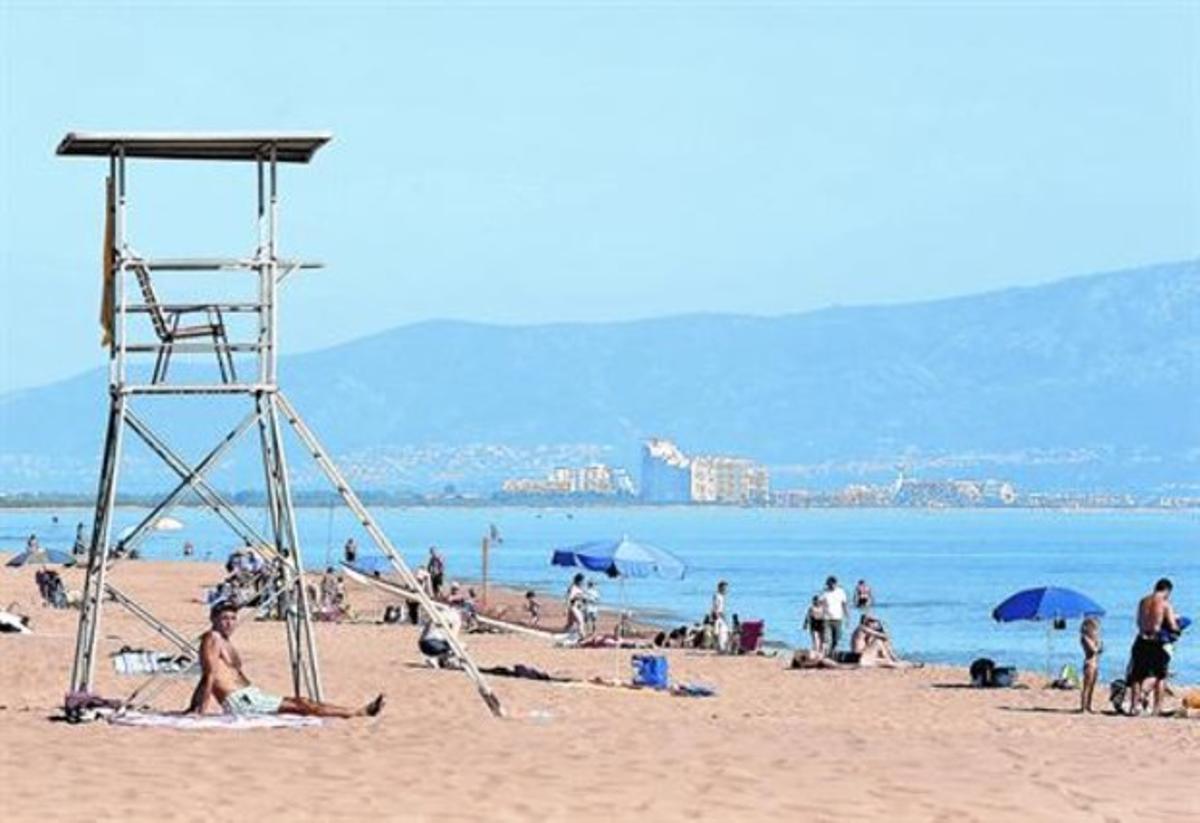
670, 476
728, 480
908, 492
594, 479
666, 473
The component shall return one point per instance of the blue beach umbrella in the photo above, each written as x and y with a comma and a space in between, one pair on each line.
1046, 603
373, 564
41, 557
621, 558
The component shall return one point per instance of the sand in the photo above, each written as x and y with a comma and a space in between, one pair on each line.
775, 744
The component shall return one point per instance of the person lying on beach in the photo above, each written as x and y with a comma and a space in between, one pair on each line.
676, 638
813, 659
224, 684
605, 641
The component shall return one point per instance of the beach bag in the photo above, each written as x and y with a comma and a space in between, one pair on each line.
1117, 690
650, 670
1004, 677
981, 672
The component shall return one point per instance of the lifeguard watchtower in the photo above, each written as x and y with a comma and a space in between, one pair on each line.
144, 332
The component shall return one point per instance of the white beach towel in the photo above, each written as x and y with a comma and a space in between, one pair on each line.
12, 623
204, 722
138, 661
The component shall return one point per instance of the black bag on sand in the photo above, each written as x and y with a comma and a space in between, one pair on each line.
982, 672
1004, 677
1116, 694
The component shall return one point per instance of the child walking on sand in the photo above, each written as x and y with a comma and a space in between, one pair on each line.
533, 609
1093, 647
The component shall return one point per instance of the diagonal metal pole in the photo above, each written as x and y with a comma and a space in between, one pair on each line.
381, 540
142, 613
190, 478
207, 494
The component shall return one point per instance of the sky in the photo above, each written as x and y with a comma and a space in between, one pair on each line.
528, 163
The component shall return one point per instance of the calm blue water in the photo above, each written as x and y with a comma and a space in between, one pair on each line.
936, 575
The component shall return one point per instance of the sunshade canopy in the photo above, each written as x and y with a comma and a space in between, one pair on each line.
290, 147
41, 557
372, 564
1046, 603
621, 558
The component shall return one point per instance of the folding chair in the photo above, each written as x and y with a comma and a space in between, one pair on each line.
167, 326
750, 640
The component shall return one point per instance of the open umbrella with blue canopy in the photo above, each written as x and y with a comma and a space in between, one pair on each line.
372, 564
41, 557
1047, 603
621, 558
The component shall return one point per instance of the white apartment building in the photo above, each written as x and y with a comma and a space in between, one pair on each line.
717, 479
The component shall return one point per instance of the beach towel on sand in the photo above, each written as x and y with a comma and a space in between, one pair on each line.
205, 722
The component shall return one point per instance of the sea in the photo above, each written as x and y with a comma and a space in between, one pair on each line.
936, 574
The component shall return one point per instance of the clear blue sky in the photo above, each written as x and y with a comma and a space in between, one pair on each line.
540, 162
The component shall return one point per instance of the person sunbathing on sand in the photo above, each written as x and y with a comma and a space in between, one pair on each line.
873, 646
813, 659
223, 683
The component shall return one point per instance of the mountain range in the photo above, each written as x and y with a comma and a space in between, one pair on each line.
1084, 384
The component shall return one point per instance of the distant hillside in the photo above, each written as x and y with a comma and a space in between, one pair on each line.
1087, 383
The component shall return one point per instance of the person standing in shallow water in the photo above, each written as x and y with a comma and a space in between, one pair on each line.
437, 572
350, 552
717, 613
863, 597
814, 624
834, 600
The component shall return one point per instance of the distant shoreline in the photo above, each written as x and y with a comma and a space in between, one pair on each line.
37, 502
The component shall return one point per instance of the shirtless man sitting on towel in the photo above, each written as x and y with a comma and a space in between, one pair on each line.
224, 685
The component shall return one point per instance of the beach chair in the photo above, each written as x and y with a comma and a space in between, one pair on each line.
168, 328
751, 636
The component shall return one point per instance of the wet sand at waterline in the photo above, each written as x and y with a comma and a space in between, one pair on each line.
774, 743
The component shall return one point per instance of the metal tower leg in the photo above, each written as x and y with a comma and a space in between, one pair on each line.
84, 666
368, 522
306, 673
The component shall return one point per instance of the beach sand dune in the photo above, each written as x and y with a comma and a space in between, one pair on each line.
775, 744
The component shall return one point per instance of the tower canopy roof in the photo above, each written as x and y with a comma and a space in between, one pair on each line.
290, 147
